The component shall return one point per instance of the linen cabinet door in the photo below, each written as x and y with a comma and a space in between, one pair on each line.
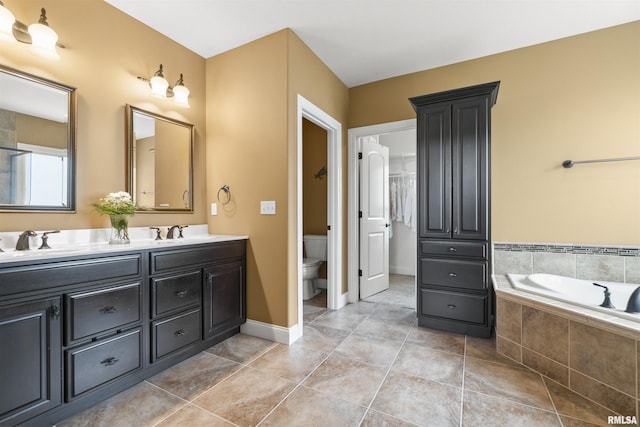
470, 176
30, 360
224, 298
434, 171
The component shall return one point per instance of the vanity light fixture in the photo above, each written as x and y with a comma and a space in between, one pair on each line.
6, 23
40, 36
160, 88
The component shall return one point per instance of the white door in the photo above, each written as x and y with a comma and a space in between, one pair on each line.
374, 217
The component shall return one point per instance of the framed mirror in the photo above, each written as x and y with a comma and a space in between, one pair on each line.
159, 161
37, 143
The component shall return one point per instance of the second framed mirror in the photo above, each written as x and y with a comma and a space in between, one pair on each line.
159, 161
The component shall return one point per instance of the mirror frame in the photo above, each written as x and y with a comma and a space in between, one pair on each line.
129, 112
72, 109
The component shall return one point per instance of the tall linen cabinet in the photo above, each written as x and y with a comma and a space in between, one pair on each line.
453, 195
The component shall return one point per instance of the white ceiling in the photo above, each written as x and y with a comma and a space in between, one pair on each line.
368, 40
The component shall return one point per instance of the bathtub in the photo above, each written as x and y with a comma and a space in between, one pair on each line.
577, 292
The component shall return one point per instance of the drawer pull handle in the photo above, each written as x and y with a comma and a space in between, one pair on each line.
452, 249
109, 361
55, 312
108, 310
180, 332
451, 306
181, 294
452, 274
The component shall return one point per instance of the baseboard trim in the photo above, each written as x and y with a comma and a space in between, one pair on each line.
271, 332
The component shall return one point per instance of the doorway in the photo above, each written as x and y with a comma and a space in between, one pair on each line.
335, 296
400, 138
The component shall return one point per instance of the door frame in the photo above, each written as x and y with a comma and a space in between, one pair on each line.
335, 297
353, 197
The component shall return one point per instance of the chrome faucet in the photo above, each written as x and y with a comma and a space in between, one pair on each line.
172, 230
23, 240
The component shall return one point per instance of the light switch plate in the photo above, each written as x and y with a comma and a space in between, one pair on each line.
268, 207
214, 209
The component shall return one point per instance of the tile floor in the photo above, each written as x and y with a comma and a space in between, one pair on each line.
367, 364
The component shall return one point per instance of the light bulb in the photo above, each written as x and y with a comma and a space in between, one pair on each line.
43, 38
159, 86
6, 23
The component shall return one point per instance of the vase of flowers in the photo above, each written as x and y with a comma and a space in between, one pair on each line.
119, 206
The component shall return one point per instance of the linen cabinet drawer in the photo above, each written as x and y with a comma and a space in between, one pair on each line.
454, 273
175, 332
97, 363
455, 249
450, 305
175, 292
97, 311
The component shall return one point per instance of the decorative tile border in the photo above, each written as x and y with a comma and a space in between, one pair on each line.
628, 251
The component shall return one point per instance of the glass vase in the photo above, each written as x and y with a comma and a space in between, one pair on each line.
119, 229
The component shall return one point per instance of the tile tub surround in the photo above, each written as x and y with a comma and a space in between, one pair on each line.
328, 377
592, 355
608, 263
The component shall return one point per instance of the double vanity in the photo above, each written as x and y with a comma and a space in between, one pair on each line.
82, 323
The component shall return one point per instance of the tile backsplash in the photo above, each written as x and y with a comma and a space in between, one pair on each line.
608, 263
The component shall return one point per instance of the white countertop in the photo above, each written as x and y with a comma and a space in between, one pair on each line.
95, 241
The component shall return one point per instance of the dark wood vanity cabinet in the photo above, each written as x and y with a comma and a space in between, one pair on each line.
76, 330
226, 300
30, 365
453, 154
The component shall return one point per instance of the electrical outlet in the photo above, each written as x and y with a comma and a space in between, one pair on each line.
268, 207
214, 209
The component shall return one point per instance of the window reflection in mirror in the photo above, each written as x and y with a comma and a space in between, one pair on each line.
159, 162
37, 132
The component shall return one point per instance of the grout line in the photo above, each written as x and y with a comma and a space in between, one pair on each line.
315, 369
464, 367
386, 375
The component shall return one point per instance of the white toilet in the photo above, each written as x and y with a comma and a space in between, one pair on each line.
315, 247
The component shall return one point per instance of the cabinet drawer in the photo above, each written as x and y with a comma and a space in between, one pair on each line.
452, 248
50, 274
175, 292
90, 313
203, 254
102, 361
454, 273
450, 305
176, 332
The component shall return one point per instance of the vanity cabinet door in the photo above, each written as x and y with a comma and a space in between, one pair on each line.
224, 298
30, 365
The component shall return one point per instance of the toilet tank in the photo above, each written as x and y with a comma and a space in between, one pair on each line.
315, 246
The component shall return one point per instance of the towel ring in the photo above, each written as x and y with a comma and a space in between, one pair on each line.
227, 191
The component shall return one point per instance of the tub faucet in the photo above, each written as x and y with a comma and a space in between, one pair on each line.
633, 306
23, 240
607, 297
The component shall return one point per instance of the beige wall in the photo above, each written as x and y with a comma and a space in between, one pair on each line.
252, 147
247, 150
311, 78
106, 50
576, 98
314, 190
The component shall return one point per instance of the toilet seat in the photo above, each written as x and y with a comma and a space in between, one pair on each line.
309, 262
